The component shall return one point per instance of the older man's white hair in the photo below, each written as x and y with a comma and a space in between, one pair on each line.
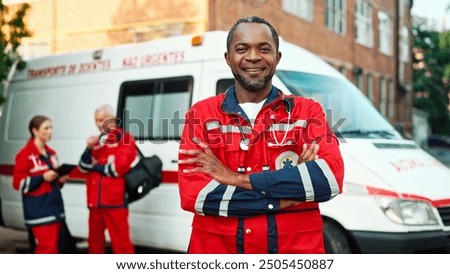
107, 109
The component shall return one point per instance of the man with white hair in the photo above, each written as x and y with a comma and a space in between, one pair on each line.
107, 159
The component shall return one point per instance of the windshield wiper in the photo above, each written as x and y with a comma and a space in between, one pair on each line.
388, 134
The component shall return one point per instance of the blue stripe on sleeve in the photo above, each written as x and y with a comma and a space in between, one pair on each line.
244, 203
213, 200
322, 191
224, 200
281, 184
100, 169
311, 181
35, 182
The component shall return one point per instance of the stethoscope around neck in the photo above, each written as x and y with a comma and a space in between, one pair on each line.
288, 106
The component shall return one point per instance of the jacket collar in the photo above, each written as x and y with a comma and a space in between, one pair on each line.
33, 148
231, 105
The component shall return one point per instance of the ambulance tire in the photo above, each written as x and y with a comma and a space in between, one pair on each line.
334, 238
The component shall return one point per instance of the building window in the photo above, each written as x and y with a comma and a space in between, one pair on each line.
359, 80
403, 5
385, 30
299, 8
383, 95
34, 49
335, 16
404, 44
369, 87
391, 103
343, 71
363, 23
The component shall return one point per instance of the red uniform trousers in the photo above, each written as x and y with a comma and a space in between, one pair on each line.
115, 220
46, 237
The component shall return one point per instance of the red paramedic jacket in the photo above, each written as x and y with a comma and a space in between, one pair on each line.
42, 200
234, 220
107, 163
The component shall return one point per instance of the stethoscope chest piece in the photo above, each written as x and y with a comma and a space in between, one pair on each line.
244, 144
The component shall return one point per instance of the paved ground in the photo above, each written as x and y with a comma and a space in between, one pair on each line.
13, 241
16, 242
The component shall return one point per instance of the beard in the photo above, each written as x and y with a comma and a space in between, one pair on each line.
253, 85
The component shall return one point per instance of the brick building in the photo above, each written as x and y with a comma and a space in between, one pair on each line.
369, 41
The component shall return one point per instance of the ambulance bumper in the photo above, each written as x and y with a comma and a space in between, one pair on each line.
404, 243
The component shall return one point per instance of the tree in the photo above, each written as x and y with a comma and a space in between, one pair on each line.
12, 30
431, 76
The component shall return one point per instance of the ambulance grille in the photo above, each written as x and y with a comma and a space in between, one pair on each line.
444, 212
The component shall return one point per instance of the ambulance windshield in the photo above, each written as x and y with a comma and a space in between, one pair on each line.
349, 113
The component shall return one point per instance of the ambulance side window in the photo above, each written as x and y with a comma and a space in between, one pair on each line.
223, 84
154, 109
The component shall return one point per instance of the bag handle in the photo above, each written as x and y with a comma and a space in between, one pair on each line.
135, 145
139, 151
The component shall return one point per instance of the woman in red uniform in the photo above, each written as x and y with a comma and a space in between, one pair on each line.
35, 177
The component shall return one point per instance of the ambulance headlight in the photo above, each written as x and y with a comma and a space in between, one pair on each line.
408, 212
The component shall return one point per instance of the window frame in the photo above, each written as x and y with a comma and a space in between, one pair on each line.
336, 16
296, 8
369, 87
391, 96
385, 29
364, 18
404, 51
359, 81
158, 89
384, 100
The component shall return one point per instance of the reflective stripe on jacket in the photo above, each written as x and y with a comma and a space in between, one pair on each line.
113, 158
42, 200
234, 220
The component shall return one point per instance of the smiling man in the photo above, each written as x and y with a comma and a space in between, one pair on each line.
252, 60
254, 163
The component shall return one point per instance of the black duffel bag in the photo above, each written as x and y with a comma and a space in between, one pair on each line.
143, 177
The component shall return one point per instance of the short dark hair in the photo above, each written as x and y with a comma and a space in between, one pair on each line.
36, 123
252, 19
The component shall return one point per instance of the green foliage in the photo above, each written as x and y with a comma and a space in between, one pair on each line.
444, 44
431, 76
12, 30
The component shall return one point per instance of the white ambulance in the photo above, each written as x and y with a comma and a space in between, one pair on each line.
396, 197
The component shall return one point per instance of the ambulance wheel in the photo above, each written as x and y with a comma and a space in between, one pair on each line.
334, 238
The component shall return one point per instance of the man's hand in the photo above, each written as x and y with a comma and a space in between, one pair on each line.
287, 203
309, 153
63, 179
206, 162
92, 141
